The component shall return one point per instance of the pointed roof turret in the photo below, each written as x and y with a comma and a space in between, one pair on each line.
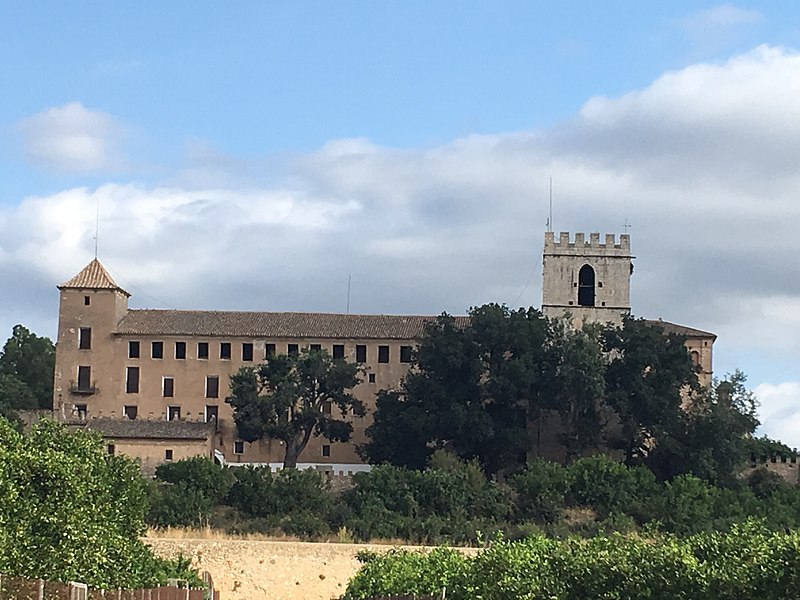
93, 277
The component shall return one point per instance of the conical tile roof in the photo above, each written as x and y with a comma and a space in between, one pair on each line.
93, 277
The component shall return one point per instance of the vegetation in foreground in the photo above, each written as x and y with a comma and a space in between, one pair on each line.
70, 512
746, 562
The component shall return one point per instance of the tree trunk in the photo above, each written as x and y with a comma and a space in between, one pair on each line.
294, 448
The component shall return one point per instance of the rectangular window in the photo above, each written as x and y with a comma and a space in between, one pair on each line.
327, 407
130, 411
168, 387
81, 411
372, 377
173, 413
202, 350
157, 350
110, 449
338, 351
85, 338
87, 300
316, 347
212, 386
84, 378
180, 350
405, 354
133, 349
326, 450
292, 349
225, 350
167, 454
238, 447
247, 352
212, 412
361, 353
383, 354
132, 380
269, 350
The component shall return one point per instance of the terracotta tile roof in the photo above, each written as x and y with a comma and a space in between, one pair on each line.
93, 277
149, 429
274, 324
681, 329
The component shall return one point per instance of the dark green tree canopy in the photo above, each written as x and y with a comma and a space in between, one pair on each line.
291, 398
27, 364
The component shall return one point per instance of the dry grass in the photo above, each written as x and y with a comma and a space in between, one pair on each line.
209, 533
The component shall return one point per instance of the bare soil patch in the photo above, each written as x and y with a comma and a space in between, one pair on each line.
270, 570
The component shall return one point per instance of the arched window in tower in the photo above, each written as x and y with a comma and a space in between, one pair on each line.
586, 286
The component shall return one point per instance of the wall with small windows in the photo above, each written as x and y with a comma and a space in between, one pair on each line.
150, 453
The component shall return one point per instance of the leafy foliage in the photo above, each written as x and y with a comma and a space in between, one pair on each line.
27, 364
68, 511
286, 398
747, 562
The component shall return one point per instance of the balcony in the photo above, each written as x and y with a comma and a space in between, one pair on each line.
82, 388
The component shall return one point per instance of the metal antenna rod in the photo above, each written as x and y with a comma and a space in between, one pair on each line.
550, 218
96, 226
349, 277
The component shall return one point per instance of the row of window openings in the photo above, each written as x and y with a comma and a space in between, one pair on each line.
238, 448
157, 350
168, 383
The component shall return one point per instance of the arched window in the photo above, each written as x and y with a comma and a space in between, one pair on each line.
586, 286
695, 357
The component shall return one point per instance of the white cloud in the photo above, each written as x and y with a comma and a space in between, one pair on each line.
72, 138
780, 411
702, 162
722, 16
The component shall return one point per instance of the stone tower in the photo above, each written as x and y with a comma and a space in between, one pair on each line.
589, 279
90, 306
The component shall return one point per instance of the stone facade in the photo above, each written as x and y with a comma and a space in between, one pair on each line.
154, 382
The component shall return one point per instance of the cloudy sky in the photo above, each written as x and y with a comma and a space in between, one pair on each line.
257, 155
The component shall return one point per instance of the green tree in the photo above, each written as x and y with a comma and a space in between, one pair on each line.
291, 398
27, 364
712, 438
470, 391
575, 385
69, 511
647, 375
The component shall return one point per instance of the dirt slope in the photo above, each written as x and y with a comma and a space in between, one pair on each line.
267, 570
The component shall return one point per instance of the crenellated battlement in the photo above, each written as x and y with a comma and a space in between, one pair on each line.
580, 245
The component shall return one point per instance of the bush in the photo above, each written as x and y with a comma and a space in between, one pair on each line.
257, 492
540, 492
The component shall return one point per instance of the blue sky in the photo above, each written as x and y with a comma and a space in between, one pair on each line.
255, 155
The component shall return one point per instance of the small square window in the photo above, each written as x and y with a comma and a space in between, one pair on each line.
81, 411
292, 349
157, 350
133, 349
110, 449
130, 411
338, 351
383, 354
326, 450
315, 347
212, 386
361, 353
180, 350
202, 350
269, 350
238, 447
173, 413
405, 354
372, 377
85, 338
87, 300
169, 388
225, 350
247, 352
167, 454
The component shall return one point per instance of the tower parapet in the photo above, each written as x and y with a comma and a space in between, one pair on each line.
580, 245
588, 279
